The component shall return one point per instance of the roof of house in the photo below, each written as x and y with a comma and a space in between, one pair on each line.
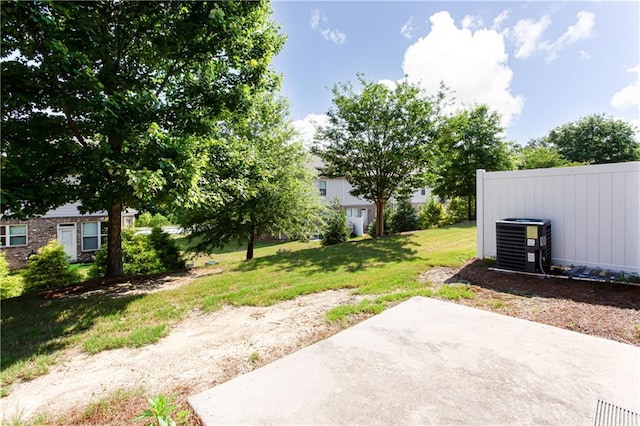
72, 210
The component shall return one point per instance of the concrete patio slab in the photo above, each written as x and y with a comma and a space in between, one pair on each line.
431, 362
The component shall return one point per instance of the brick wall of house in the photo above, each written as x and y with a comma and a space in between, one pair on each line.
39, 232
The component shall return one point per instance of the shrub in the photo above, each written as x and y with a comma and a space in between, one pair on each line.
405, 217
336, 228
431, 215
456, 211
167, 250
158, 220
142, 254
49, 268
10, 286
144, 219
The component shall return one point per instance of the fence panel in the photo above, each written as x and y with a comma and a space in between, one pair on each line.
594, 211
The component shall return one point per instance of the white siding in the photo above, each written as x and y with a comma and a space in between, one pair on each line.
71, 210
594, 211
340, 188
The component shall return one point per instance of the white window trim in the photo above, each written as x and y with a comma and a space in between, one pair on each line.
320, 190
7, 235
356, 210
99, 236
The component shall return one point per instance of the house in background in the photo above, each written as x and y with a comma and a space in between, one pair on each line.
360, 212
80, 234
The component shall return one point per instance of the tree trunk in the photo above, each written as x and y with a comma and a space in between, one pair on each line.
252, 237
379, 218
114, 241
471, 214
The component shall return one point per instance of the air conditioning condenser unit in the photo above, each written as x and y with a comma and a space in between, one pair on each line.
523, 245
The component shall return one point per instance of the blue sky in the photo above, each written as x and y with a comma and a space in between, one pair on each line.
539, 64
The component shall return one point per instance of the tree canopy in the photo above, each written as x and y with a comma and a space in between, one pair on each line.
468, 140
595, 139
377, 139
106, 102
255, 181
540, 157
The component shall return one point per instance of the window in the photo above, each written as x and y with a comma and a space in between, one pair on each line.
423, 191
94, 235
352, 212
322, 186
13, 235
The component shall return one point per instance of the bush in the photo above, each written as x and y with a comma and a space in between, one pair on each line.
10, 286
431, 215
49, 268
158, 220
336, 228
144, 219
405, 217
456, 211
142, 254
167, 250
148, 220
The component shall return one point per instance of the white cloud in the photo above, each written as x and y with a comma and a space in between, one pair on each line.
472, 22
317, 20
473, 64
333, 35
389, 84
498, 20
628, 96
583, 29
584, 54
409, 28
306, 127
527, 33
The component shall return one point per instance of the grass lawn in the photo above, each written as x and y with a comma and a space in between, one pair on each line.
35, 331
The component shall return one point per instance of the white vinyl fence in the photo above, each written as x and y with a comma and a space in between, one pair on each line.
594, 211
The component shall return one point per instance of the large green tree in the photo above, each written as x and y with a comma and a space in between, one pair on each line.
540, 157
255, 181
595, 139
105, 102
468, 140
377, 139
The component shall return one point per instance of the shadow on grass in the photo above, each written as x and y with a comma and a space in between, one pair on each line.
34, 325
351, 256
184, 244
594, 293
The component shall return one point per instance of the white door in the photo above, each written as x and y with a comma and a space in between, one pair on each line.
67, 237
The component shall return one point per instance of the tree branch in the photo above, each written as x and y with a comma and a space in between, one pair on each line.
72, 124
170, 72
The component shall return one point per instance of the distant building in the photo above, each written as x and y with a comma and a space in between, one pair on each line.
80, 234
360, 212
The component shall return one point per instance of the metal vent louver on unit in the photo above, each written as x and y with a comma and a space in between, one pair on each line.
523, 244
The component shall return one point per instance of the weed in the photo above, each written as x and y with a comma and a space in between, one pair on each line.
496, 304
254, 357
160, 410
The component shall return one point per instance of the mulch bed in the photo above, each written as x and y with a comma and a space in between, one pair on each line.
608, 310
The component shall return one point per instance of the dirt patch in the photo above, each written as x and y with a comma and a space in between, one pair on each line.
207, 349
199, 352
